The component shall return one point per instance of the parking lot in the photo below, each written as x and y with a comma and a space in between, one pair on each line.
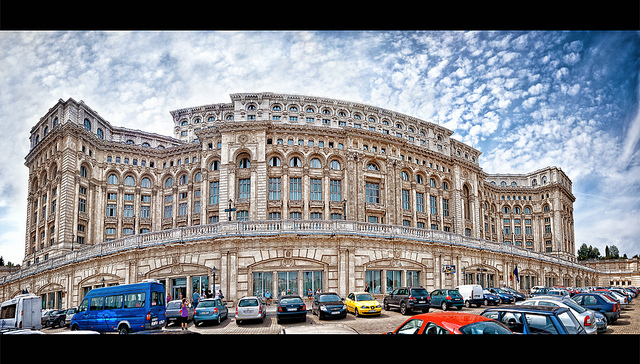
628, 323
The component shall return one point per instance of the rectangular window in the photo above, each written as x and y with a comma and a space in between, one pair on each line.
445, 207
244, 188
145, 211
214, 192
82, 205
405, 199
295, 188
242, 216
275, 189
128, 210
295, 215
527, 230
168, 211
145, 198
274, 216
196, 207
373, 193
336, 216
128, 197
96, 303
111, 210
316, 189
315, 216
133, 300
182, 209
433, 203
419, 202
335, 187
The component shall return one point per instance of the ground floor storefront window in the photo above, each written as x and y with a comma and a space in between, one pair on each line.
287, 282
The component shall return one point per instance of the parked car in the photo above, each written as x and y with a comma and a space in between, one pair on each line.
210, 309
586, 317
45, 317
328, 304
250, 308
536, 319
327, 329
445, 298
601, 322
174, 311
622, 300
539, 291
471, 294
444, 323
505, 297
70, 312
56, 318
599, 303
490, 298
363, 303
408, 299
518, 296
291, 307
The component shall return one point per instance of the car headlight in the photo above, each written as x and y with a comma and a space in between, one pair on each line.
323, 308
344, 307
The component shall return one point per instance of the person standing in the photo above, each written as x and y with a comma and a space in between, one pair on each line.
195, 298
184, 313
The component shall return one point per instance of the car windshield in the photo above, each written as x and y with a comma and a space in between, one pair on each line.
329, 298
248, 302
364, 297
574, 305
173, 304
207, 304
419, 292
486, 328
291, 300
453, 292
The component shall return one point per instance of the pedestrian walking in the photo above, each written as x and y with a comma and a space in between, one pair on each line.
366, 287
195, 298
184, 313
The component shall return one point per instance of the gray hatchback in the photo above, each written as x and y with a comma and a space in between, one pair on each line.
250, 308
173, 311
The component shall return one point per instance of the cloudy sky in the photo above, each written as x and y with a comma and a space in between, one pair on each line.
527, 100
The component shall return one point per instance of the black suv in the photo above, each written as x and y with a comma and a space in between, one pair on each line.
408, 299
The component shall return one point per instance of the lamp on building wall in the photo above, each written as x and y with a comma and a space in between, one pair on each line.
213, 271
229, 210
344, 209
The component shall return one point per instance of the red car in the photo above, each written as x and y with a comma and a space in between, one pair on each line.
443, 323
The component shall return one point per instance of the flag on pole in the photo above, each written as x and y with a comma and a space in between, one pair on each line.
515, 273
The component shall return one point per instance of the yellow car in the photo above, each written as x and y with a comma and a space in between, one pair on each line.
362, 303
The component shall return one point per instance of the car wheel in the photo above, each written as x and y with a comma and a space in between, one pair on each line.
75, 328
123, 330
444, 306
386, 306
355, 312
467, 304
486, 302
403, 308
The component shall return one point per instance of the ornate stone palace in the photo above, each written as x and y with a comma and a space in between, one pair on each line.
282, 192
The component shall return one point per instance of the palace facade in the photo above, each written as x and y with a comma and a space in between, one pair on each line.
282, 192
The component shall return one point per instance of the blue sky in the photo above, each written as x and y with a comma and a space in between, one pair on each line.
527, 100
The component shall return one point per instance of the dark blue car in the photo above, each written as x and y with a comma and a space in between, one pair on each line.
445, 298
599, 303
536, 319
505, 297
490, 298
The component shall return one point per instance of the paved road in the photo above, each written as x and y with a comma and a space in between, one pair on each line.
628, 323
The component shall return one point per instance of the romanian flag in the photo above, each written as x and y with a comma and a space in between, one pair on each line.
514, 272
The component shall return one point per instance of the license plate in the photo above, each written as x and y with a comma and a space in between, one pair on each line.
421, 301
292, 309
372, 311
248, 311
335, 312
154, 322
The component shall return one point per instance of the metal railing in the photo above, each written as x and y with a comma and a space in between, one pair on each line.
280, 227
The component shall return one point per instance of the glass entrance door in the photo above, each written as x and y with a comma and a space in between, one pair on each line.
179, 288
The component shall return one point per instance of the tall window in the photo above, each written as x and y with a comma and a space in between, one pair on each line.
182, 209
168, 211
111, 210
373, 193
112, 179
445, 207
295, 188
128, 210
145, 211
405, 199
316, 189
146, 182
336, 190
214, 192
244, 188
419, 202
274, 189
433, 202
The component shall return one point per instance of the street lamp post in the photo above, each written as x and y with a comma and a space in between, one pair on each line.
344, 209
229, 210
213, 287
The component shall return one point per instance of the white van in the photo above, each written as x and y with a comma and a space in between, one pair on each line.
24, 311
472, 294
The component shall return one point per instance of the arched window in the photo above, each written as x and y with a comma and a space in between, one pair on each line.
516, 210
432, 182
404, 176
146, 182
244, 163
87, 124
374, 167
274, 162
547, 208
215, 166
527, 210
100, 133
295, 162
505, 209
335, 165
445, 186
183, 179
112, 179
198, 177
467, 202
419, 179
83, 171
129, 181
168, 183
315, 163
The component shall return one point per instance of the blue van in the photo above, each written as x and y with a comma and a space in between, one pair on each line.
123, 309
